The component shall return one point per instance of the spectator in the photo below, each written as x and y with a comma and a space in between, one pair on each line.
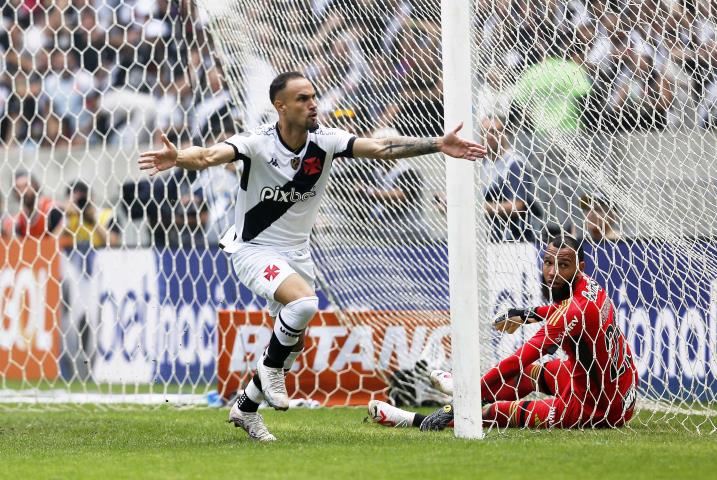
338, 59
173, 100
601, 221
508, 189
216, 189
93, 123
636, 95
89, 40
607, 36
550, 95
348, 175
397, 197
420, 112
214, 112
495, 95
38, 215
151, 205
498, 30
170, 208
191, 217
85, 225
65, 86
29, 120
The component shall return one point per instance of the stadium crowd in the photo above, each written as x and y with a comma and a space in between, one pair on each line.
104, 72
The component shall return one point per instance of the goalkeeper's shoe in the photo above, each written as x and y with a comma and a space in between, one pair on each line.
273, 385
388, 415
438, 420
252, 423
442, 381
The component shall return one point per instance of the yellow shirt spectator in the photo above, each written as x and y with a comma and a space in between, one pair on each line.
96, 230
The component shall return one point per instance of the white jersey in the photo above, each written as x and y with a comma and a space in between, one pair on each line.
280, 189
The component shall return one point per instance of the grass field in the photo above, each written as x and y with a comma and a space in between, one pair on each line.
82, 442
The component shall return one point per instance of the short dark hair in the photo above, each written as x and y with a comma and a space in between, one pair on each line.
78, 186
279, 83
22, 173
568, 241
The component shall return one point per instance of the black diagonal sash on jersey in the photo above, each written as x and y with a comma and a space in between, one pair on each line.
266, 212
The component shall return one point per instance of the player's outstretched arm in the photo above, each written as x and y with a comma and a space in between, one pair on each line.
192, 158
401, 147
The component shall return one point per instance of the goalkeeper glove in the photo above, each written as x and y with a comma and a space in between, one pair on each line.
510, 320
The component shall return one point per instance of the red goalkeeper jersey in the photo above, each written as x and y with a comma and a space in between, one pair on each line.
599, 358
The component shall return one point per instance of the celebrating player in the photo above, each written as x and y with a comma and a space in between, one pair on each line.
286, 167
594, 387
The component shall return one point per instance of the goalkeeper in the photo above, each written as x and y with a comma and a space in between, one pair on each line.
593, 388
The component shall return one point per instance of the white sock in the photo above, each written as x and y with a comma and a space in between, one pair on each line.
289, 362
253, 392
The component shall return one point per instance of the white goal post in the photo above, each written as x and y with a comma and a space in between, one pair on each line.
464, 264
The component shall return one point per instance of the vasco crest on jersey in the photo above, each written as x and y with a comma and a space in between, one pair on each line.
312, 166
295, 162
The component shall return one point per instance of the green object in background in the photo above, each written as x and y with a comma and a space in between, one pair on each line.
550, 90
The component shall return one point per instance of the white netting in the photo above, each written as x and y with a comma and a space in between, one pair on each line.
379, 242
620, 140
130, 309
605, 111
114, 304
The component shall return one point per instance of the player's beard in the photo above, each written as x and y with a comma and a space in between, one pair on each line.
557, 294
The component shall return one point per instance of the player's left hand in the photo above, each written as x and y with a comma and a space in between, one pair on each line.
508, 322
456, 147
159, 160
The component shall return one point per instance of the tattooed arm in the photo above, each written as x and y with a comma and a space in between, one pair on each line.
395, 147
402, 147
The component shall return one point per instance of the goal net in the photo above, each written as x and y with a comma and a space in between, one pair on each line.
600, 114
606, 113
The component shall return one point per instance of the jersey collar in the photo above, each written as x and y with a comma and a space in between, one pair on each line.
283, 143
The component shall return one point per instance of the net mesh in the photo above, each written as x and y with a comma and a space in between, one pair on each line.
603, 112
600, 112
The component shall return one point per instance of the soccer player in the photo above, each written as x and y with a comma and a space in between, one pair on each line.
285, 169
594, 387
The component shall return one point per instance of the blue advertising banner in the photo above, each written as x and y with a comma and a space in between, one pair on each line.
156, 311
665, 303
192, 286
667, 308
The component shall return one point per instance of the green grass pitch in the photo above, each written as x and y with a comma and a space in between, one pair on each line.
159, 443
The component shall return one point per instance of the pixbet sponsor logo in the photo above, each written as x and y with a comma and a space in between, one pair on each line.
285, 196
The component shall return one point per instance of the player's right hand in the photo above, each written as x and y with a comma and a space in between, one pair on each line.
159, 160
509, 321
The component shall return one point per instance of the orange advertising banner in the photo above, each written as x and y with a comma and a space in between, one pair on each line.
30, 309
344, 362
